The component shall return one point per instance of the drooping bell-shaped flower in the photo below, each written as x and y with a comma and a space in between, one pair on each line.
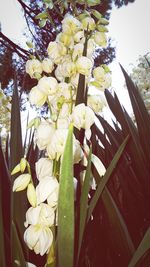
44, 167
38, 238
33, 66
47, 186
83, 116
44, 134
42, 214
37, 97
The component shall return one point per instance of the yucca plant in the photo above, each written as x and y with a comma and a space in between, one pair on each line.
120, 204
104, 226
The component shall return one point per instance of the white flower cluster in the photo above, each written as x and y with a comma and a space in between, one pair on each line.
141, 76
5, 111
67, 61
41, 216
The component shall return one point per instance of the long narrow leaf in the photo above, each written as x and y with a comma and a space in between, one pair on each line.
84, 201
18, 200
16, 148
106, 177
141, 250
66, 206
122, 244
141, 114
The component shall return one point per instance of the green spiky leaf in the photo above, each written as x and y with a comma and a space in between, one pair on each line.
143, 247
106, 177
66, 206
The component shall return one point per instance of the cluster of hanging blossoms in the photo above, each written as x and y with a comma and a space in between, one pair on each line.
141, 76
69, 56
5, 111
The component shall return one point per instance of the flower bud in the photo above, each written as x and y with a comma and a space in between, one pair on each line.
31, 195
23, 164
21, 182
16, 169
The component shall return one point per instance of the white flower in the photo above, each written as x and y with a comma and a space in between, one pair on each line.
42, 214
31, 195
79, 37
90, 48
38, 238
64, 89
37, 97
33, 66
47, 65
74, 80
108, 80
44, 134
47, 186
21, 182
77, 151
63, 120
56, 147
83, 117
56, 51
77, 51
66, 39
66, 69
32, 216
44, 167
102, 79
99, 74
52, 199
84, 65
58, 73
100, 38
88, 23
47, 85
96, 102
47, 215
70, 24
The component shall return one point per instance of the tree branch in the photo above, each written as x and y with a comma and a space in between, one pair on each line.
24, 6
16, 48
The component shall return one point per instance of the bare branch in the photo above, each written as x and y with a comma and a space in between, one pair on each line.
14, 47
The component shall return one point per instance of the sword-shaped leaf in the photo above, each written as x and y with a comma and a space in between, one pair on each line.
143, 247
66, 206
84, 201
106, 177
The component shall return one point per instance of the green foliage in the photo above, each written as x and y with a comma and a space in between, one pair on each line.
66, 206
143, 247
126, 198
84, 201
107, 175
